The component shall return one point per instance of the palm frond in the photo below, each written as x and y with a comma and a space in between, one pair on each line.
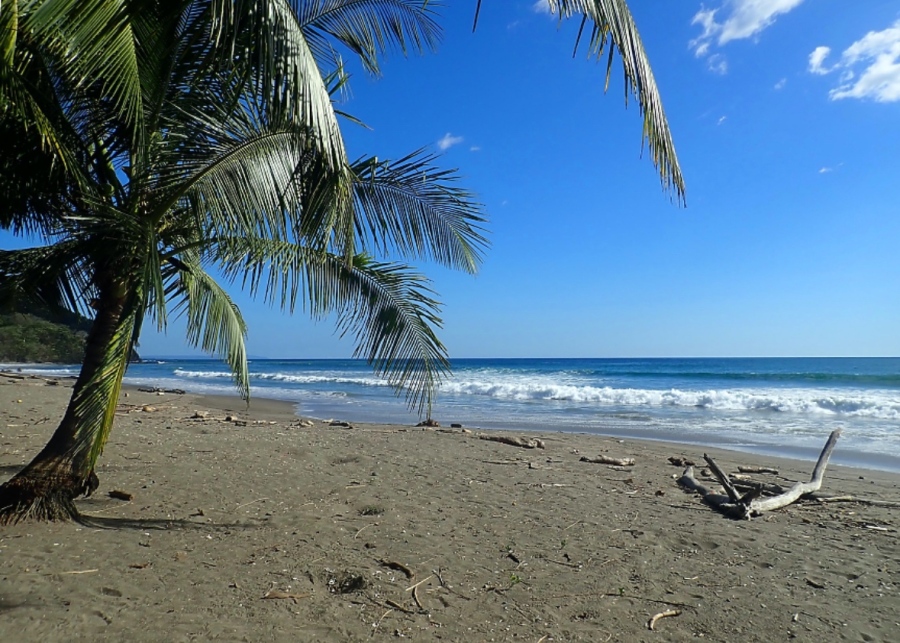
94, 39
411, 207
368, 28
388, 308
54, 276
95, 403
214, 322
264, 37
613, 25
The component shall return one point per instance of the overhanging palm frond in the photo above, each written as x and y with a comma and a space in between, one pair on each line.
369, 28
410, 206
94, 38
95, 403
387, 308
265, 39
611, 22
214, 322
53, 276
390, 311
244, 186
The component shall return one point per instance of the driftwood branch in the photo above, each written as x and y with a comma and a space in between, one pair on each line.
526, 443
751, 504
862, 501
605, 459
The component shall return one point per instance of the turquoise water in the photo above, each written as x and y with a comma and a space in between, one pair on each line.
782, 406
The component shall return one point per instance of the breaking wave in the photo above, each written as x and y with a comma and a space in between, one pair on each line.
838, 402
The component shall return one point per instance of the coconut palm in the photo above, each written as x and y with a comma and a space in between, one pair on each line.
163, 148
230, 168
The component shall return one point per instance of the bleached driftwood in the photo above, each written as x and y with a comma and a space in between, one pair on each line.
758, 470
751, 504
862, 501
605, 459
525, 443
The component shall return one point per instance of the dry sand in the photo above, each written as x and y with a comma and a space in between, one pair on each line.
263, 529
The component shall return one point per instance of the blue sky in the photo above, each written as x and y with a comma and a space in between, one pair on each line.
786, 119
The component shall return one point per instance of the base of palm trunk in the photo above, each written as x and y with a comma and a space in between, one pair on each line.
41, 493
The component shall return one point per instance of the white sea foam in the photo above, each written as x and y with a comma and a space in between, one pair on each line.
877, 404
286, 378
42, 369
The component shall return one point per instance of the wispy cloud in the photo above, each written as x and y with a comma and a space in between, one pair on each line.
740, 19
780, 84
828, 170
721, 120
541, 6
475, 148
448, 141
869, 68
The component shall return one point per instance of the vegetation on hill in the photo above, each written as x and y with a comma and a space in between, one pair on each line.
29, 338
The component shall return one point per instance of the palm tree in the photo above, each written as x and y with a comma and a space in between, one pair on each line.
159, 147
230, 167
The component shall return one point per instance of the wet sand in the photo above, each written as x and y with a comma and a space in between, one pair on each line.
266, 527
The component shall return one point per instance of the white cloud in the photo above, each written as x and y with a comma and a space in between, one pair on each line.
717, 64
827, 170
475, 148
721, 120
816, 58
742, 19
541, 6
877, 54
780, 84
448, 141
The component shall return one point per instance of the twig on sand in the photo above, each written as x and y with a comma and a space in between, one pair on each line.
275, 594
400, 567
398, 606
356, 535
652, 622
82, 571
421, 582
246, 504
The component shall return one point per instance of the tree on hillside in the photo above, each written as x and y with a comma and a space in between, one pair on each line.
155, 144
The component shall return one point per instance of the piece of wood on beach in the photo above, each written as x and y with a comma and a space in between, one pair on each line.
891, 504
651, 624
605, 459
275, 594
525, 443
758, 470
752, 504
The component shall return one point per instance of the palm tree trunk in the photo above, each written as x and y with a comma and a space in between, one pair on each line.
46, 488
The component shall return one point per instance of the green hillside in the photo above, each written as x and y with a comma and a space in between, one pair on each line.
25, 337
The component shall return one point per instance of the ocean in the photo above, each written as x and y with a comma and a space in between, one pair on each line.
778, 406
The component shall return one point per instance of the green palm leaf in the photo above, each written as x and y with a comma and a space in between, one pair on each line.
413, 208
214, 322
369, 28
388, 308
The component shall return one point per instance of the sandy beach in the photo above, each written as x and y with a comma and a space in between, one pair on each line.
255, 525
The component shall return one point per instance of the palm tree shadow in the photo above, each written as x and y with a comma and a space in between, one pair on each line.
160, 524
9, 470
8, 605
